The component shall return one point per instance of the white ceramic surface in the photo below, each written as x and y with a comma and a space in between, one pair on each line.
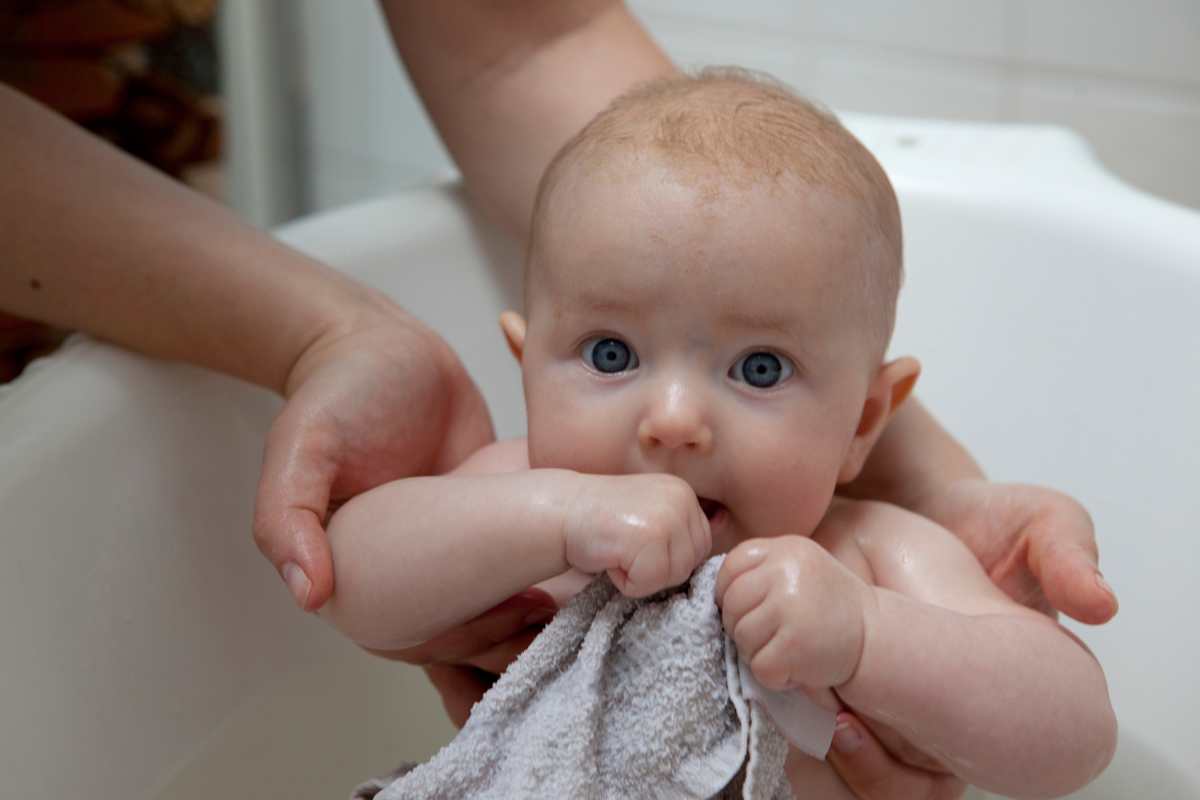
150, 652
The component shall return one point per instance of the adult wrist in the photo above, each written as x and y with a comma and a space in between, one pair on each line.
346, 308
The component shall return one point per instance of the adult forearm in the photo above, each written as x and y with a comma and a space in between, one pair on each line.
913, 458
965, 689
98, 242
415, 557
508, 83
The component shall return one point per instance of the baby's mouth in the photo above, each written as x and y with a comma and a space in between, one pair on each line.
711, 508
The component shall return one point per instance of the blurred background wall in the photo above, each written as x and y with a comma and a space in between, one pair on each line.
1124, 75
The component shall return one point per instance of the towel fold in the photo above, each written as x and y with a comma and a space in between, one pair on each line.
616, 698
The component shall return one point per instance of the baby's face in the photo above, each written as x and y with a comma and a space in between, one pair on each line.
699, 329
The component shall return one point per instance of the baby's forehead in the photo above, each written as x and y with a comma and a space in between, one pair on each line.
741, 125
611, 171
720, 134
646, 196
747, 244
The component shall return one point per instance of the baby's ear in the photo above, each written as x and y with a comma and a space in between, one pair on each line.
513, 325
892, 385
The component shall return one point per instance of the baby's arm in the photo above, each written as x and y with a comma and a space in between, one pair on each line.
1006, 697
417, 556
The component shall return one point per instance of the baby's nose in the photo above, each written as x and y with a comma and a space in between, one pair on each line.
676, 420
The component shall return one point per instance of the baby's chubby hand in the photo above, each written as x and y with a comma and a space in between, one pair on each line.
646, 531
796, 614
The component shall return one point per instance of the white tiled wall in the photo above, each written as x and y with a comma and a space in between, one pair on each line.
1125, 75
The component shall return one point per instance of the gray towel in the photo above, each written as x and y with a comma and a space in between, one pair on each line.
616, 698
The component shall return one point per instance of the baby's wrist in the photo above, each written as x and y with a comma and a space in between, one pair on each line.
558, 497
867, 622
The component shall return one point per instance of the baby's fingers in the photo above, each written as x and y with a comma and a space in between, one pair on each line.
700, 535
685, 549
743, 558
460, 688
497, 659
648, 572
770, 662
741, 598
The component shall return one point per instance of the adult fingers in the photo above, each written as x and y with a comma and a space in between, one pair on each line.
496, 659
290, 508
460, 688
1063, 556
21, 341
872, 774
482, 640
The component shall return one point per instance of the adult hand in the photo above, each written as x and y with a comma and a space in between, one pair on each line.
1038, 545
21, 341
463, 662
872, 773
372, 399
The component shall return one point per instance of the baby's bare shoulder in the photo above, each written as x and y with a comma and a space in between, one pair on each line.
509, 455
896, 549
866, 535
869, 525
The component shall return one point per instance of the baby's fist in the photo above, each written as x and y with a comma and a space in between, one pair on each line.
794, 611
647, 531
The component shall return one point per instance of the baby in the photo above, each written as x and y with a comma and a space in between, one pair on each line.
710, 290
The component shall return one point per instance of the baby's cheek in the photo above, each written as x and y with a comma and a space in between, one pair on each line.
793, 496
573, 441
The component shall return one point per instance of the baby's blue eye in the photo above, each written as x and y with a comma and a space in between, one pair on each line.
761, 369
608, 355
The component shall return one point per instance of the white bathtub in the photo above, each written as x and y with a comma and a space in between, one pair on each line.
148, 651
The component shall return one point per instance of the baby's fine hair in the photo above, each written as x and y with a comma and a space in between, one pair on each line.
746, 126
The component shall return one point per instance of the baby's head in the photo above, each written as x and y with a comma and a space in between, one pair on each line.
710, 289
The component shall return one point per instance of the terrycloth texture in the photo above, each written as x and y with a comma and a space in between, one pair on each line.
617, 698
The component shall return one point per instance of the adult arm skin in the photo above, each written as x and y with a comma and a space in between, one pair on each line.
507, 84
96, 241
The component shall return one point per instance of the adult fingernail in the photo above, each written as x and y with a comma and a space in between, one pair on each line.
846, 739
538, 616
533, 596
297, 582
1103, 584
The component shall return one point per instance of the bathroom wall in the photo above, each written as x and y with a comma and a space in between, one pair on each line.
1126, 76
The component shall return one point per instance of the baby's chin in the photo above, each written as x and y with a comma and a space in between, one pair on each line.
728, 531
727, 527
726, 534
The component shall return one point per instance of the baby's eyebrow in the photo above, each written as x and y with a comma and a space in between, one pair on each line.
766, 321
605, 304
